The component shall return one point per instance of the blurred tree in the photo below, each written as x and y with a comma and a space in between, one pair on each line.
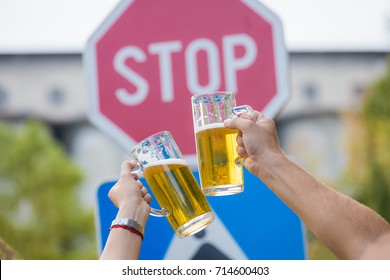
368, 169
41, 216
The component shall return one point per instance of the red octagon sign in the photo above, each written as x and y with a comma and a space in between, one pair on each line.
149, 57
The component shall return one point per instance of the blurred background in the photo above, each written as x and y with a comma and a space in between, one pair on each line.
336, 124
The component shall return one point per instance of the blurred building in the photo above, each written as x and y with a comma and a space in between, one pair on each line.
325, 86
52, 88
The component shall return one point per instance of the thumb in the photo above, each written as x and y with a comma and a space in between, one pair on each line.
239, 123
126, 169
245, 121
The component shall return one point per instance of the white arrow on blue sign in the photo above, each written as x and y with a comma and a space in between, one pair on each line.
253, 225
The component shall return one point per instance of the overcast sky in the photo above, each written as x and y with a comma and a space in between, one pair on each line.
63, 26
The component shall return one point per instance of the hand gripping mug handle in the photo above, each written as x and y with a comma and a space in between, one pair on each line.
163, 212
237, 111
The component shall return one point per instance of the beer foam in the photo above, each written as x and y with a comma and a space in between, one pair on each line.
209, 126
166, 162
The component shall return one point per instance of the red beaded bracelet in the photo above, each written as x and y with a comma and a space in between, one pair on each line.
129, 229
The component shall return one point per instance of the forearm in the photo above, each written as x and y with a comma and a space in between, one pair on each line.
345, 226
123, 244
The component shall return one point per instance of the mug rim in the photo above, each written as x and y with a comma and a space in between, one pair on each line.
212, 93
146, 138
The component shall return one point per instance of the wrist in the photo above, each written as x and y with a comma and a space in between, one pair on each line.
134, 211
128, 224
271, 163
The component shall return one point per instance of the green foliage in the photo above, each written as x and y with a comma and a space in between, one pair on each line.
369, 166
40, 214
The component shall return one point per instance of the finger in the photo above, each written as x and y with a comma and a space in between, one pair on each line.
135, 176
252, 115
260, 117
240, 123
241, 151
126, 168
256, 115
249, 115
139, 184
144, 191
240, 140
148, 198
126, 171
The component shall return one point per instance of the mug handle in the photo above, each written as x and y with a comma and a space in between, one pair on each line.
237, 111
163, 212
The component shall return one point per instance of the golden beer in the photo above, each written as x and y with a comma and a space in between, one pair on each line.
217, 155
176, 189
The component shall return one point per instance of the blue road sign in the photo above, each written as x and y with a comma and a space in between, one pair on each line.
254, 225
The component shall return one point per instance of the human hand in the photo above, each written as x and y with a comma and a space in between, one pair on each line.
257, 140
130, 196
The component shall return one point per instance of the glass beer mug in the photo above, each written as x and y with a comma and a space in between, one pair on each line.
173, 184
220, 167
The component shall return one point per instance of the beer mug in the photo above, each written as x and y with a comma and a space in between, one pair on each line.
173, 184
220, 167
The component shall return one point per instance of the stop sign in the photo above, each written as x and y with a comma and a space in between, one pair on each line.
148, 57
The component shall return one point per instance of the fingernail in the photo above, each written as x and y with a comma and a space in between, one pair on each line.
227, 121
